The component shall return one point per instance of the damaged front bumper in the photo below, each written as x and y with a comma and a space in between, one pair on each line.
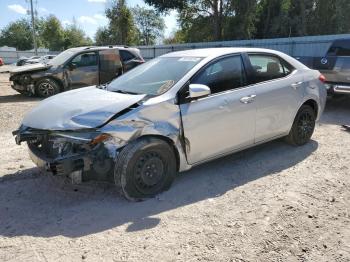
59, 166
63, 153
27, 89
23, 84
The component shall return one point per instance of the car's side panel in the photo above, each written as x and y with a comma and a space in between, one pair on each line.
276, 103
83, 75
277, 98
314, 90
218, 124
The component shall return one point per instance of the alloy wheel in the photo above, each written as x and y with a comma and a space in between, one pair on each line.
46, 89
305, 126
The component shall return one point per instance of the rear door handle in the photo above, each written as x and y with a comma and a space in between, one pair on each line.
247, 99
296, 85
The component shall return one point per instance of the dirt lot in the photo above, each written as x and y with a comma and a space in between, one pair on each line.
271, 203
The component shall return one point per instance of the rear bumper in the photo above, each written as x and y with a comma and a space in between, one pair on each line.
338, 89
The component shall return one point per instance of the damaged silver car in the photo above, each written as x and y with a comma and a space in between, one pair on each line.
174, 112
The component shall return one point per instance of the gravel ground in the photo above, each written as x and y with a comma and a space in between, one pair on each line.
271, 203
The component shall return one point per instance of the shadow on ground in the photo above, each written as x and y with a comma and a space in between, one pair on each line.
336, 109
17, 98
36, 204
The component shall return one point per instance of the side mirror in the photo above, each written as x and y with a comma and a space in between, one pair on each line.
72, 66
198, 90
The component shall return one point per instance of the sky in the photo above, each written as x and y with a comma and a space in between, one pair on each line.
88, 13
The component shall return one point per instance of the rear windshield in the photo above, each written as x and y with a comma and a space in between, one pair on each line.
340, 48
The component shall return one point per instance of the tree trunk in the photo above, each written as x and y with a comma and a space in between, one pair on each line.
217, 6
303, 17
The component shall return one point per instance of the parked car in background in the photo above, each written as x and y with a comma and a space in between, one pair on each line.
75, 68
1, 61
335, 66
41, 59
174, 112
22, 60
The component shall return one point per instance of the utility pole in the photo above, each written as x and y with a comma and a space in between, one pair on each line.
33, 27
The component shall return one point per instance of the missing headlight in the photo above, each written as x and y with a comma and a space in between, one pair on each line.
25, 79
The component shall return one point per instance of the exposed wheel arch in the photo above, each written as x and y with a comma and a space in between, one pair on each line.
313, 104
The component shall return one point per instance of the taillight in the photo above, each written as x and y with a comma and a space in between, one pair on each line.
322, 78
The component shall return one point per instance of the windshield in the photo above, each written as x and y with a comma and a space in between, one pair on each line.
154, 77
61, 58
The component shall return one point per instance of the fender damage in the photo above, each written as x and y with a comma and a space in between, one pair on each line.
90, 141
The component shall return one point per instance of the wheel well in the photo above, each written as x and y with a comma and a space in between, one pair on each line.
313, 105
171, 144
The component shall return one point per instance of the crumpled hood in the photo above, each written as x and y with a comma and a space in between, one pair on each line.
87, 107
30, 68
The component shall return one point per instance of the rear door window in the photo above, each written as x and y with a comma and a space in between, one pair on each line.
225, 74
126, 55
340, 48
266, 67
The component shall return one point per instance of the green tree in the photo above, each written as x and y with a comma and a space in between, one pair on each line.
102, 36
17, 34
330, 17
241, 21
52, 34
273, 19
74, 36
149, 24
196, 13
343, 18
176, 37
121, 23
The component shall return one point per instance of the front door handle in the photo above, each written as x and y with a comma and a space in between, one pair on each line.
296, 85
247, 99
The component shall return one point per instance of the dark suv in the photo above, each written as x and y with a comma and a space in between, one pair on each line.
75, 68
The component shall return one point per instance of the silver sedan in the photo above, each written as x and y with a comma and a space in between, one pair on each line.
174, 112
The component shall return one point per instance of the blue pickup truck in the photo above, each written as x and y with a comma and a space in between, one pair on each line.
335, 66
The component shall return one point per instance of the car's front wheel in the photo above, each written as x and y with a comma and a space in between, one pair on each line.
145, 168
303, 126
46, 87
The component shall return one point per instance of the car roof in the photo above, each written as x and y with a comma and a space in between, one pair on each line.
212, 53
96, 48
218, 51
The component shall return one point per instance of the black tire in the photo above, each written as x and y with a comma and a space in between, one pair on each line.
145, 168
46, 87
303, 126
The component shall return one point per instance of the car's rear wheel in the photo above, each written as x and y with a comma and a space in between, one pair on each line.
145, 168
303, 126
46, 87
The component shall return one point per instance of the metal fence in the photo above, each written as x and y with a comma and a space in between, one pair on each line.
12, 56
312, 46
308, 46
